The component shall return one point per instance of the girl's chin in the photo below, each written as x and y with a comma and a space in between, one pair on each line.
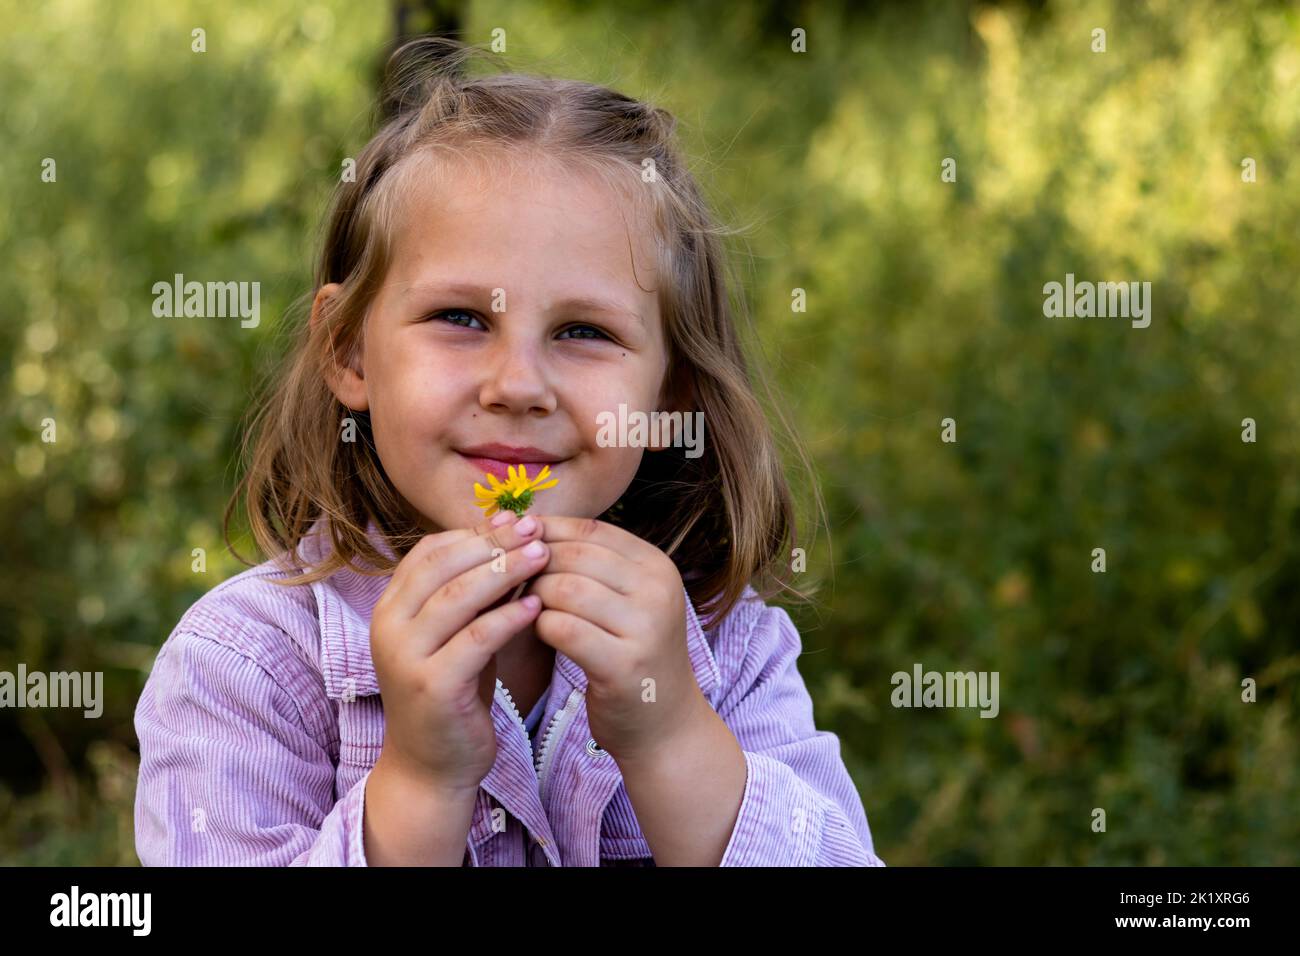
470, 515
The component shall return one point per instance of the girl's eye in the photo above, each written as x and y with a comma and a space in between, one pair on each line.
456, 317
590, 328
454, 312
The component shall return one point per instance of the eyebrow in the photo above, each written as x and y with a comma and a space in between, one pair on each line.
580, 303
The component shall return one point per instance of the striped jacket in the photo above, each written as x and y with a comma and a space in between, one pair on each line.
261, 720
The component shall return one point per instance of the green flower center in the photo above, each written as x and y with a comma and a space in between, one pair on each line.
518, 504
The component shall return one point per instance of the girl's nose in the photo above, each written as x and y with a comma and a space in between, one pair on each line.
515, 380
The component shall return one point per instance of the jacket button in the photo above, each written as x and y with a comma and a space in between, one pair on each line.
595, 749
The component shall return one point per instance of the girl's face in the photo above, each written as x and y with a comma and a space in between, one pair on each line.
511, 315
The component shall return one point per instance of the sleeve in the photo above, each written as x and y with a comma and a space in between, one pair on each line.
800, 806
229, 774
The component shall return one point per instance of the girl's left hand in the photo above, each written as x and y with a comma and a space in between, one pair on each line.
614, 603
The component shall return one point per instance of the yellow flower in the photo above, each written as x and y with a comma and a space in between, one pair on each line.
515, 493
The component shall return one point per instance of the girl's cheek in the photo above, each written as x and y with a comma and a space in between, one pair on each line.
618, 473
432, 391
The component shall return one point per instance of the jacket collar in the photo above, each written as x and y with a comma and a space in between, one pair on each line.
346, 599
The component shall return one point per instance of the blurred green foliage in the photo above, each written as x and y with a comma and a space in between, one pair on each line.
1118, 690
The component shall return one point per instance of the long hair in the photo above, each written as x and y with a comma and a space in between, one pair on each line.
726, 518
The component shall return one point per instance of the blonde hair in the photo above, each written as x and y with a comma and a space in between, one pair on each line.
726, 518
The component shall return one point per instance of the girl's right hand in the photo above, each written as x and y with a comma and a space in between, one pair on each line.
433, 646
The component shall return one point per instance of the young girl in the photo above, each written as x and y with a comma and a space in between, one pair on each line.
518, 260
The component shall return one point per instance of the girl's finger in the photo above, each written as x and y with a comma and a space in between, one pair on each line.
464, 597
586, 644
619, 540
585, 597
470, 650
422, 549
435, 568
595, 561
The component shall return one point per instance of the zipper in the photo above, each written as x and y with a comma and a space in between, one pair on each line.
514, 712
554, 730
553, 733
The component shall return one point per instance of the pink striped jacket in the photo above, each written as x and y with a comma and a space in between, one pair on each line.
261, 720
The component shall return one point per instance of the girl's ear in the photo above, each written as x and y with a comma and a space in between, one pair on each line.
346, 380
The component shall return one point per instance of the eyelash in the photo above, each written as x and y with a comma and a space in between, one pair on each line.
446, 312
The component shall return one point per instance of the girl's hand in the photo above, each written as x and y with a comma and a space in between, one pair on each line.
433, 648
614, 604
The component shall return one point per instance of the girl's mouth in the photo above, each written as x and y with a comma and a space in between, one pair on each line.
490, 466
492, 463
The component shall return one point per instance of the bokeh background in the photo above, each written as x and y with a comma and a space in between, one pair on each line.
1119, 690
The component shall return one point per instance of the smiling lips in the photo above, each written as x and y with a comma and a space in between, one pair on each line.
496, 459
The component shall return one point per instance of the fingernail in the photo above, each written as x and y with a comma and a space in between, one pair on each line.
501, 518
532, 602
535, 550
527, 526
